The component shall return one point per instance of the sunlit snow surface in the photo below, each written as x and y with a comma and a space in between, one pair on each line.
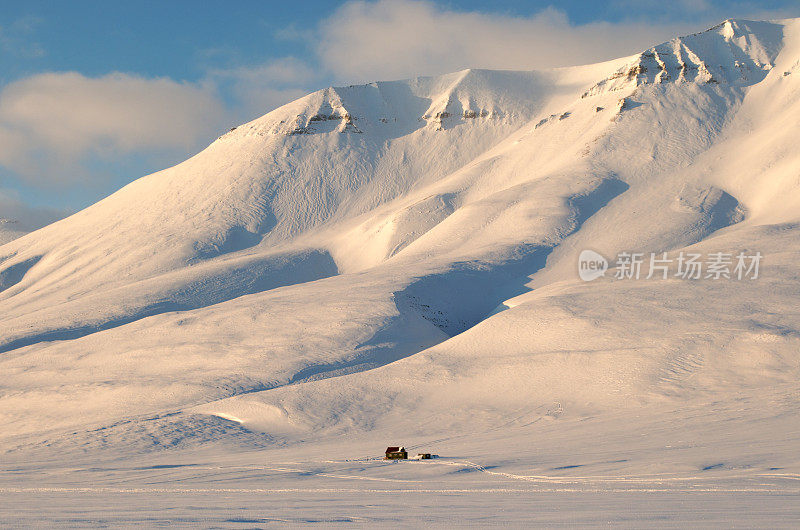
234, 341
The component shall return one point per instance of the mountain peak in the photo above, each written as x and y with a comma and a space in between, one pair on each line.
738, 52
392, 108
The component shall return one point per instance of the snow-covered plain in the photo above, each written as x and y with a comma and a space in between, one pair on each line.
234, 340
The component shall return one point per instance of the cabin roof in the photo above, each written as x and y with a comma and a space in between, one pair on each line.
395, 449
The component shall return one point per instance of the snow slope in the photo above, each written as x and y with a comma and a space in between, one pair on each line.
398, 261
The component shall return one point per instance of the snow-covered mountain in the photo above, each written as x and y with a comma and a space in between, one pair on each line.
400, 260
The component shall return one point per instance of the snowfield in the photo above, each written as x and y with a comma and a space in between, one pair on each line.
234, 340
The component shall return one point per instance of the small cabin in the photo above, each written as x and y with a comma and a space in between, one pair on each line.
424, 456
396, 453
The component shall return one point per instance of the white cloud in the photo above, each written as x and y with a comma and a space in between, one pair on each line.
49, 123
400, 38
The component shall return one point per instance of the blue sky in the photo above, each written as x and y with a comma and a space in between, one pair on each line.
96, 94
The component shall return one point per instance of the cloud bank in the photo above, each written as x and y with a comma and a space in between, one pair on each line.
390, 39
50, 122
